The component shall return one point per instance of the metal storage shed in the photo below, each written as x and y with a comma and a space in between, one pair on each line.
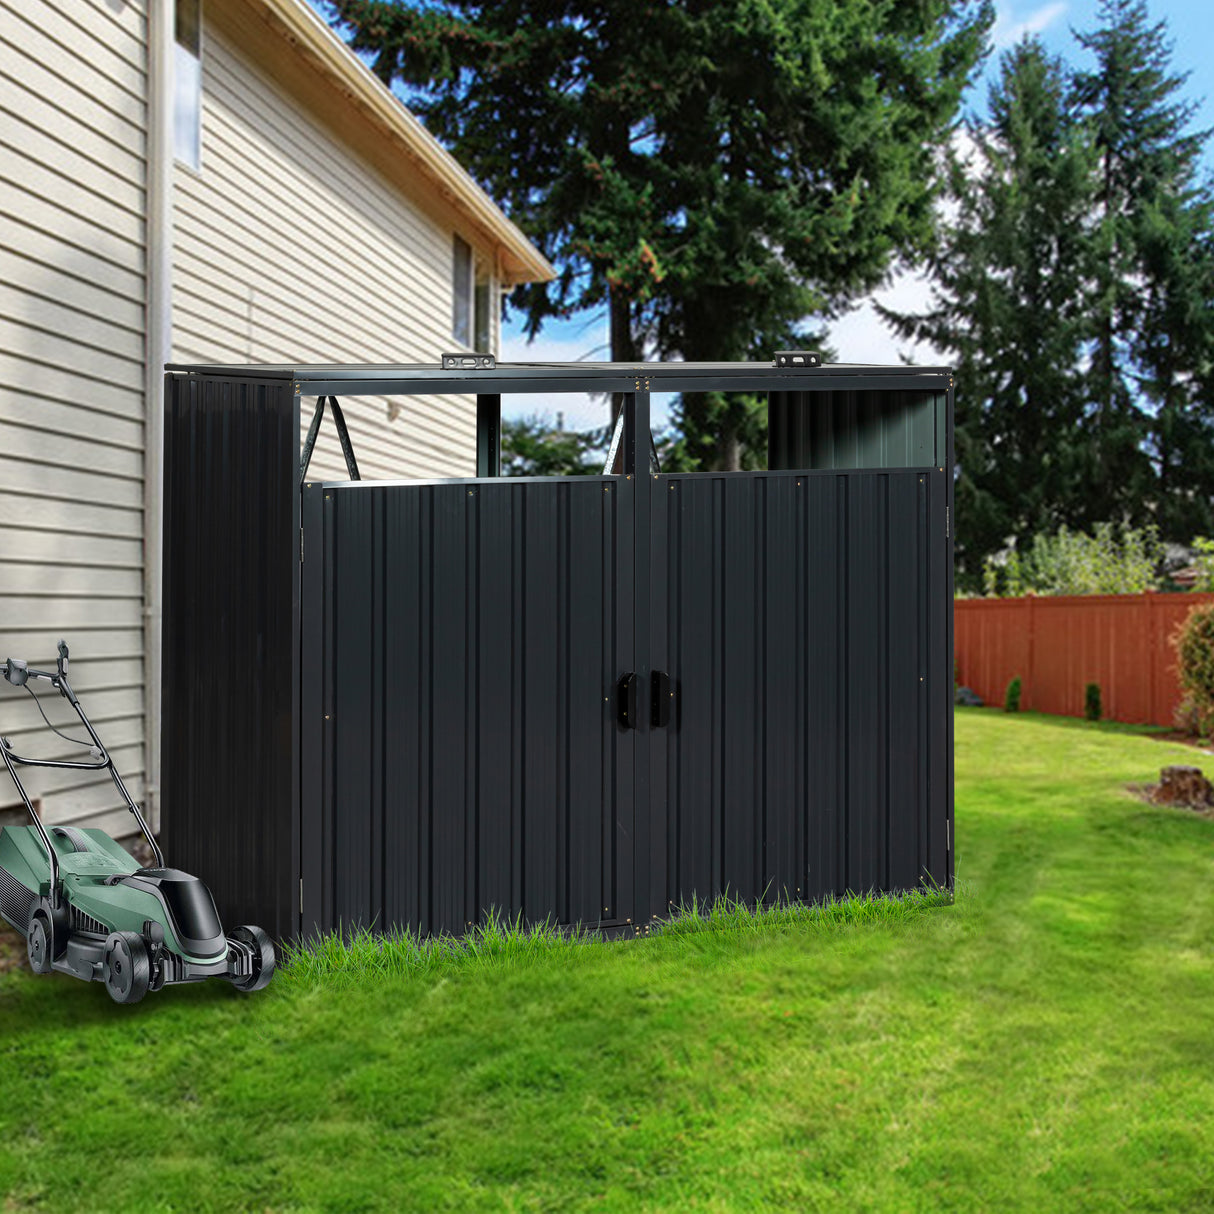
582, 699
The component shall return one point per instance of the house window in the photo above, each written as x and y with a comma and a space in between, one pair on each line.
480, 308
461, 292
187, 83
470, 293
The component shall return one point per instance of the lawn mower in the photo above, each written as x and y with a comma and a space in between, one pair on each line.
86, 908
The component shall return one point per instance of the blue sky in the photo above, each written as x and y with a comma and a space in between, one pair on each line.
860, 336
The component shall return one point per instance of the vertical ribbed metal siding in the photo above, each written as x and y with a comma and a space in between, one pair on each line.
878, 428
804, 755
231, 644
460, 743
468, 752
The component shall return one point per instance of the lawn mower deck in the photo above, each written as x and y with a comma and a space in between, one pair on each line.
86, 908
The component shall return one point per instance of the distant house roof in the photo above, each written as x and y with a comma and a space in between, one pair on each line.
295, 20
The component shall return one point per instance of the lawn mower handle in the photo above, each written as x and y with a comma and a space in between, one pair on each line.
18, 673
52, 859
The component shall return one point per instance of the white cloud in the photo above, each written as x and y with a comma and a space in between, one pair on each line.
587, 346
590, 343
863, 337
1008, 29
578, 411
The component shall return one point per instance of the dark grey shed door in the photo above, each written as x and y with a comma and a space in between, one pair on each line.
460, 745
810, 699
463, 642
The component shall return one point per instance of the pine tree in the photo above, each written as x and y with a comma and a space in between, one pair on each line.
1152, 424
536, 446
1010, 304
1174, 356
711, 171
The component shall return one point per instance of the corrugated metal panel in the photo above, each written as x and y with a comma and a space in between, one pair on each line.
71, 380
856, 429
360, 273
462, 726
790, 611
231, 644
1057, 645
460, 741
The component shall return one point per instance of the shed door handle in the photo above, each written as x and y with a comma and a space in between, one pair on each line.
659, 700
626, 703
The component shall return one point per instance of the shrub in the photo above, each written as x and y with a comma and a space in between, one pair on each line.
1108, 561
1091, 701
1186, 718
1011, 701
1193, 642
1204, 560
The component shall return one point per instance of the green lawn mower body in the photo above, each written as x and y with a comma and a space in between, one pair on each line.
86, 908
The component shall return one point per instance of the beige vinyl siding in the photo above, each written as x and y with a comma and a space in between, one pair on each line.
72, 176
292, 248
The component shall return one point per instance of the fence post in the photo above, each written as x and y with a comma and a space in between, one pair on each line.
1030, 672
1153, 643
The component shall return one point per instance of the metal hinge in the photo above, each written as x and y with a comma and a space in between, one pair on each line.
301, 895
948, 844
947, 522
301, 545
468, 362
797, 358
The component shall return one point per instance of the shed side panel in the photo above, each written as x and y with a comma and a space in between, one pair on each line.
231, 642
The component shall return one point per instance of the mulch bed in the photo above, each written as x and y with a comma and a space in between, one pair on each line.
1185, 739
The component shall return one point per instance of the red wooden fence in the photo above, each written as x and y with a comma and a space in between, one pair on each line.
1056, 645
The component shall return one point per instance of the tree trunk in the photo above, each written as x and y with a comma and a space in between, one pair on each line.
730, 457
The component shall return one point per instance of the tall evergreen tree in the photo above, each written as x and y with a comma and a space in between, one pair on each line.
1010, 303
1151, 320
712, 171
1173, 350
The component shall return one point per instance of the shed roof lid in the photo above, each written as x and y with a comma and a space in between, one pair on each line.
657, 377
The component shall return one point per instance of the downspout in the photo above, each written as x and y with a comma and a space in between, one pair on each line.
158, 339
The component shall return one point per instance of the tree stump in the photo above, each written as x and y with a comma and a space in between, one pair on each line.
1183, 786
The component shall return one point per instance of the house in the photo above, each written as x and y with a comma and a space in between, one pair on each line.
210, 181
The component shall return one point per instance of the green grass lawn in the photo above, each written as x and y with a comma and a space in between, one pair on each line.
1047, 1043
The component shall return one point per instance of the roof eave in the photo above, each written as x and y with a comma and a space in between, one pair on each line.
519, 260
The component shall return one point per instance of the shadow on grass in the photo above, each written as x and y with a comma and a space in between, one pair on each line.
35, 1003
32, 1003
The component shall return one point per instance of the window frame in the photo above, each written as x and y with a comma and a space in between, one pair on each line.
462, 277
472, 294
187, 83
